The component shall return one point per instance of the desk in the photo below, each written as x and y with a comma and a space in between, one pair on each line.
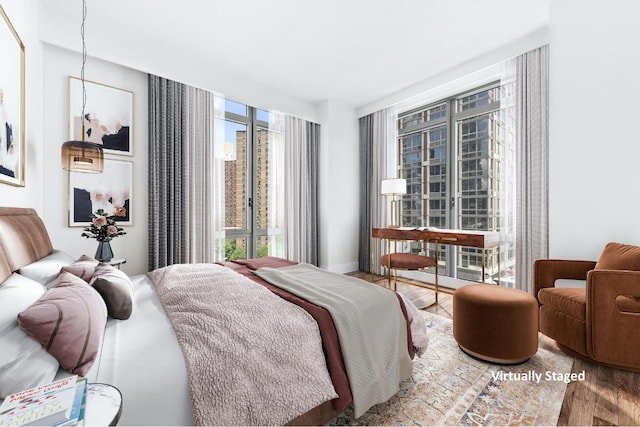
471, 238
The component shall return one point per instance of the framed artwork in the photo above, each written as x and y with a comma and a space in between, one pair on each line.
11, 104
108, 116
110, 191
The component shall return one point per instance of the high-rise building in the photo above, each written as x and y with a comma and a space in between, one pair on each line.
457, 156
236, 197
234, 182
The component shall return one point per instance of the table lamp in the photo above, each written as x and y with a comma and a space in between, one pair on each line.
393, 187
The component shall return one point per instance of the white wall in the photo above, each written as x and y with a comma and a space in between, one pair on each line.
195, 71
59, 65
22, 15
46, 127
339, 215
469, 74
594, 146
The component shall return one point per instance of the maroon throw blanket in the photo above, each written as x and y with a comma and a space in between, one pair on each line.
330, 341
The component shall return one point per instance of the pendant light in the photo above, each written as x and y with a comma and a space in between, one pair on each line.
83, 156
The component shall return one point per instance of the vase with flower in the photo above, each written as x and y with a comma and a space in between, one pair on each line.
103, 228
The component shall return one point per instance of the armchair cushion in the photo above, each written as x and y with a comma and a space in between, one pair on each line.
618, 256
570, 301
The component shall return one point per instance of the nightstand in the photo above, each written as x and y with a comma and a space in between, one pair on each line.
104, 405
117, 262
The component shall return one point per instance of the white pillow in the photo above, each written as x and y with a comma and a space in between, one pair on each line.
47, 269
24, 363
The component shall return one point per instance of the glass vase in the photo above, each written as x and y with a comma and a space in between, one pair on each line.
104, 252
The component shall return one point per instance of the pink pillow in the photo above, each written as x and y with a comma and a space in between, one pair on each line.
69, 321
83, 268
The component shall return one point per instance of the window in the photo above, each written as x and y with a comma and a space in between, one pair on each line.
253, 149
457, 155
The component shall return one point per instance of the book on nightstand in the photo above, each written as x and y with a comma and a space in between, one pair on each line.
79, 401
57, 403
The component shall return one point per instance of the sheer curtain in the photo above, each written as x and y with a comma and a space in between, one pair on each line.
532, 162
377, 161
301, 190
186, 176
275, 190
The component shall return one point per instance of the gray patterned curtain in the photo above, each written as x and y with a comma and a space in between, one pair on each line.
532, 168
302, 237
377, 144
184, 203
366, 186
313, 236
166, 172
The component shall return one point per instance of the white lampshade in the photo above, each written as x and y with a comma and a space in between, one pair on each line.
393, 186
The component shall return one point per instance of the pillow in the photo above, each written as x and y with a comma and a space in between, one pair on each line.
618, 256
116, 289
46, 270
23, 361
83, 268
68, 320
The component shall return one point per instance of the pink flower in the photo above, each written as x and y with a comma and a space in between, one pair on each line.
99, 221
112, 229
119, 211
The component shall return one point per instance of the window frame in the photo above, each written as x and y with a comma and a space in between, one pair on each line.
452, 119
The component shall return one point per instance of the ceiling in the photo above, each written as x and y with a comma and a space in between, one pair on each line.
356, 51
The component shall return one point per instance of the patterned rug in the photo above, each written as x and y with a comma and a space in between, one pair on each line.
451, 388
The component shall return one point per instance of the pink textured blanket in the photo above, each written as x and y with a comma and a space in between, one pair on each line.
252, 358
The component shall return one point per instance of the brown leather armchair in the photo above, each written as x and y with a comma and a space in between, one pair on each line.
601, 322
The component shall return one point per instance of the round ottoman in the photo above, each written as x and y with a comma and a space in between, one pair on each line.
495, 324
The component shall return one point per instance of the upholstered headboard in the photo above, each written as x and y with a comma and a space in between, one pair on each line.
23, 239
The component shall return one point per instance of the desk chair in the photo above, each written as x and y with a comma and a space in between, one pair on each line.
394, 260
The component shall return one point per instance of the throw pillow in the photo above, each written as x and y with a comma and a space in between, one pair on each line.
46, 269
116, 289
84, 268
23, 361
618, 256
69, 321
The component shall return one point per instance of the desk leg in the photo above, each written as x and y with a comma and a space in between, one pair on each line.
389, 266
372, 266
437, 281
483, 261
499, 271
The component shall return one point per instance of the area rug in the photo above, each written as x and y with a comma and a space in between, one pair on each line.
449, 387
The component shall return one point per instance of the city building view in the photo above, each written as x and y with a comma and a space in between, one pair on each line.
458, 158
253, 217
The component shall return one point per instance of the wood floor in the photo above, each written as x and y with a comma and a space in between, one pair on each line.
607, 397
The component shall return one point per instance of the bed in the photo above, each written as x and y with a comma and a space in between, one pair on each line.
144, 355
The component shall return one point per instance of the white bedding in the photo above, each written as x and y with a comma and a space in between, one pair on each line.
142, 358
